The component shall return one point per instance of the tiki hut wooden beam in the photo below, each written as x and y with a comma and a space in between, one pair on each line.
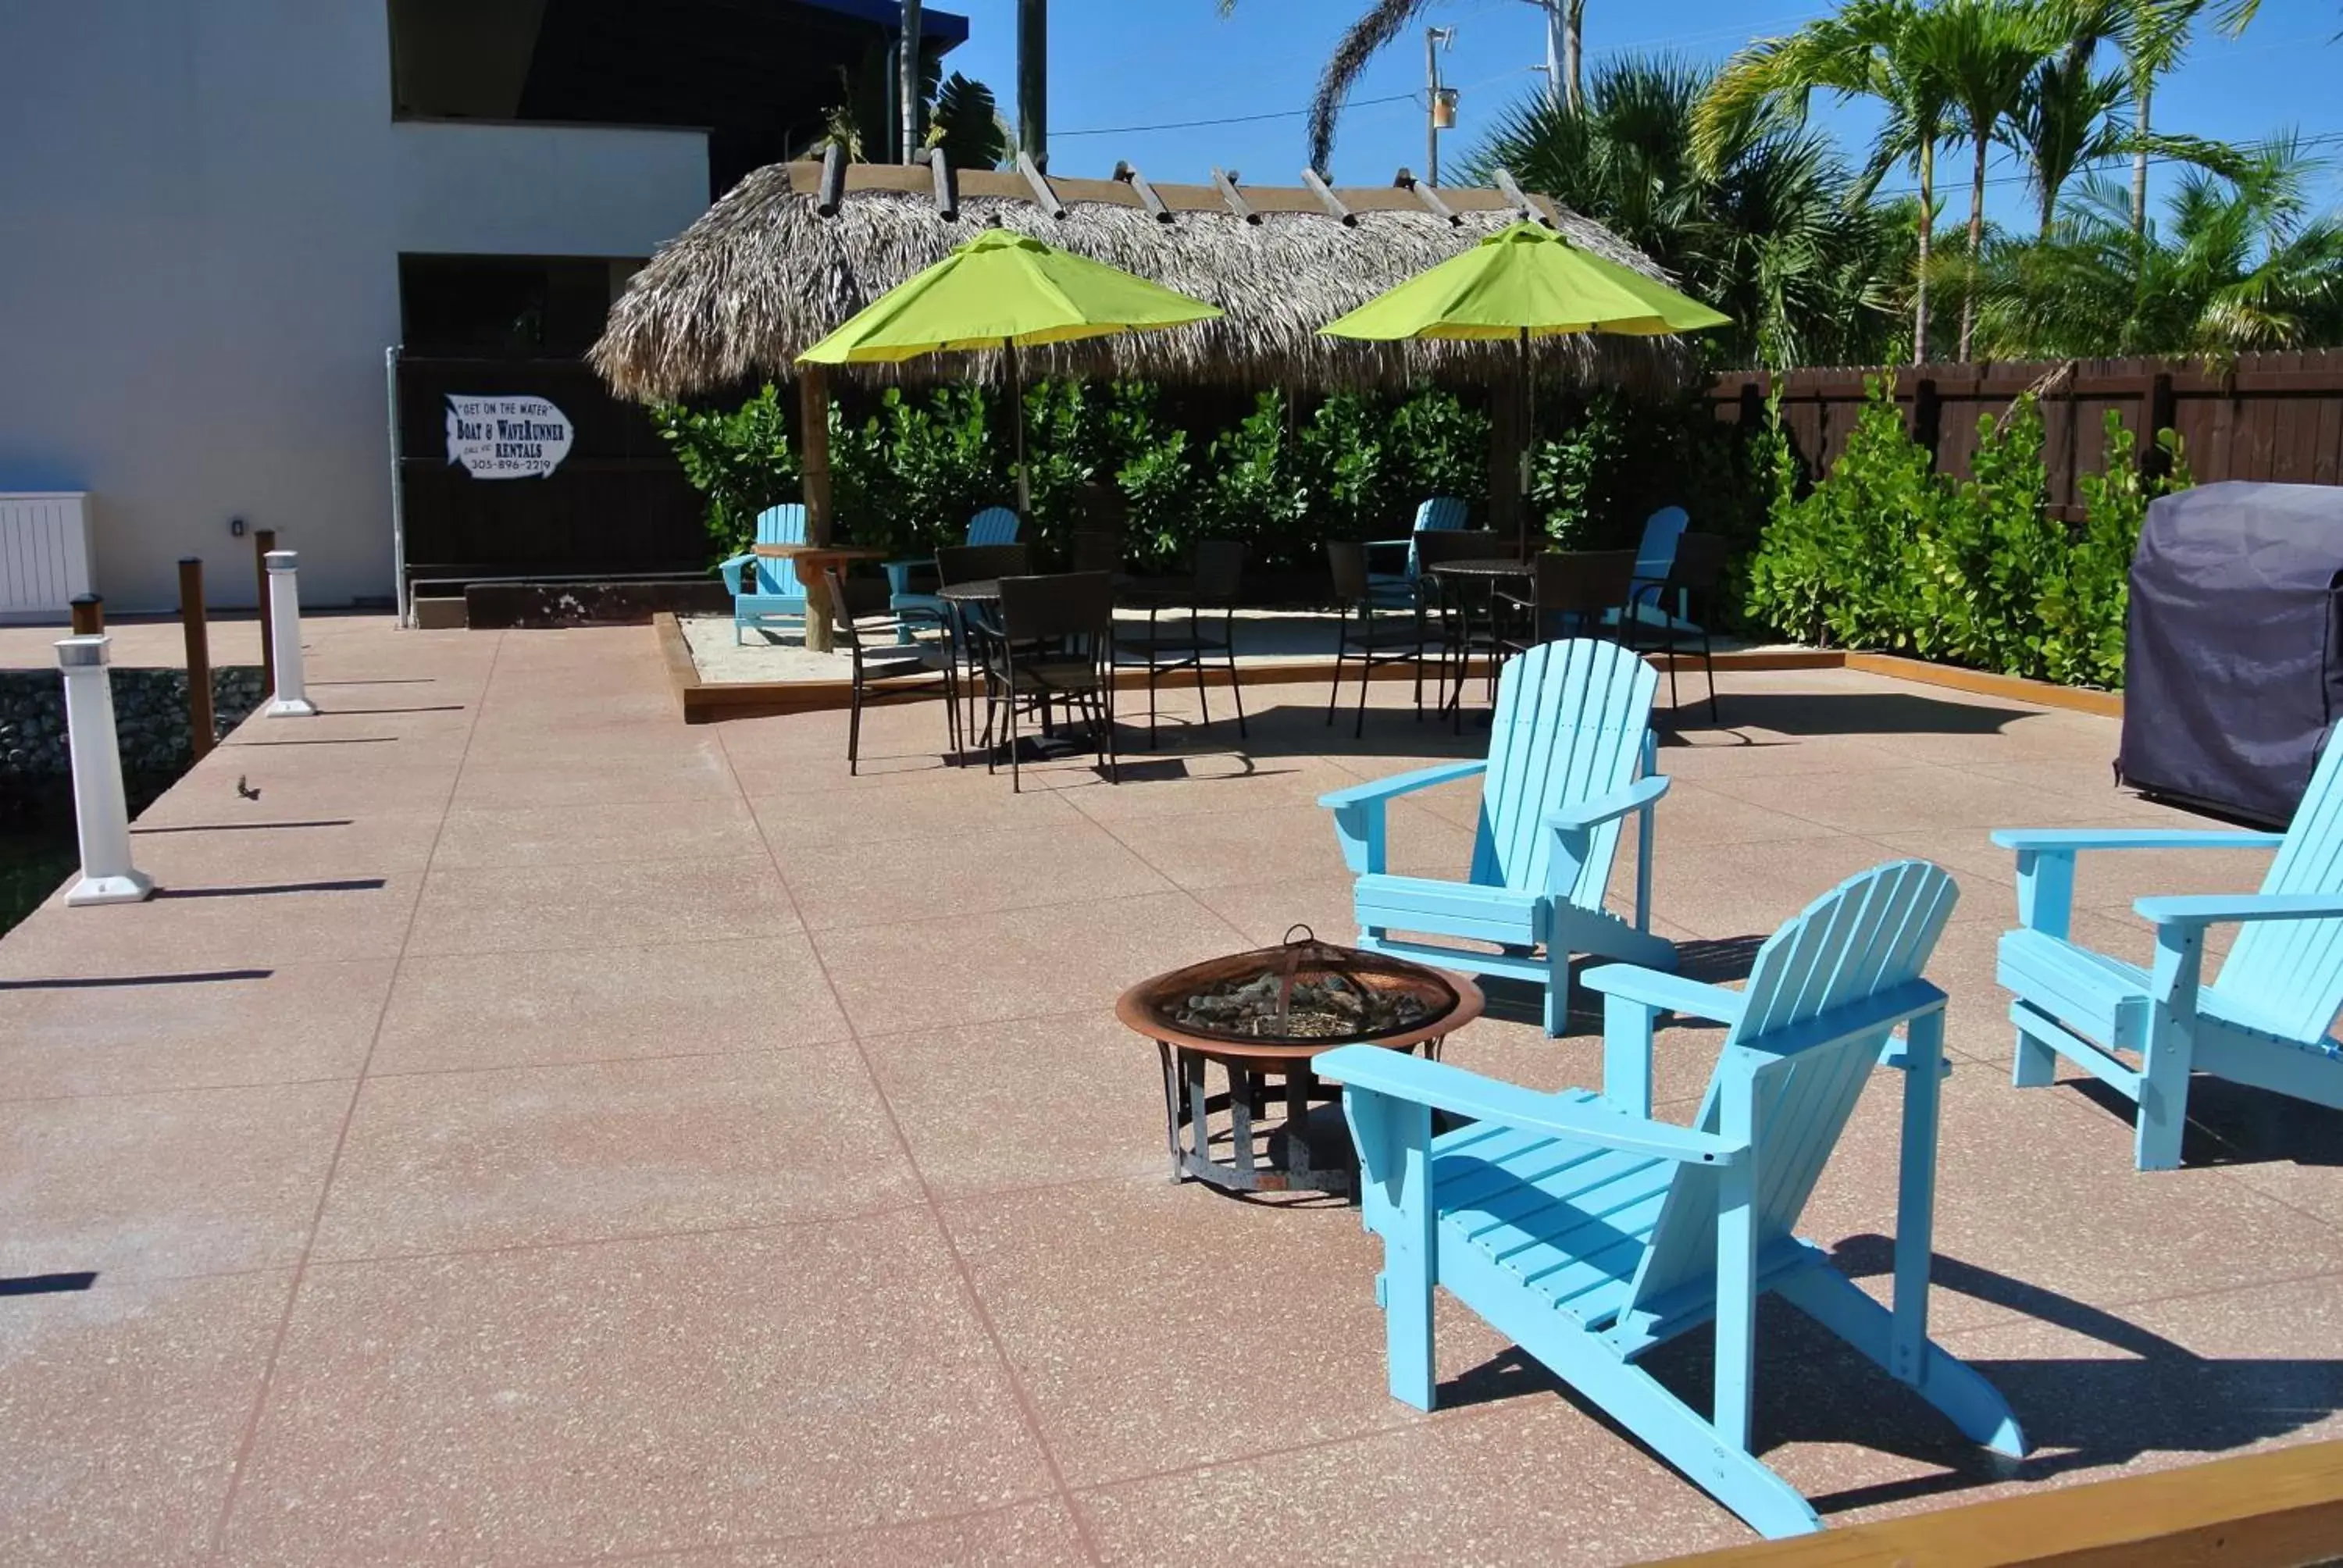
1427, 195
947, 186
1225, 181
1045, 196
833, 180
762, 275
1129, 175
1329, 200
1521, 202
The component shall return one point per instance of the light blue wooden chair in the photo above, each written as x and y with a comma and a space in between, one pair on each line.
766, 593
2265, 1019
1397, 588
1589, 1232
992, 526
1572, 730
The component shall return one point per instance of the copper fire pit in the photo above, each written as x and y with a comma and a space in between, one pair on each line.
1262, 1016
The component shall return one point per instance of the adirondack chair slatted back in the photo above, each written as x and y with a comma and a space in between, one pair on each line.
993, 525
1870, 934
1571, 722
1657, 550
2289, 974
781, 525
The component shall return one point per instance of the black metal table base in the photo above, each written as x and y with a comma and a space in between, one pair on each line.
1307, 1146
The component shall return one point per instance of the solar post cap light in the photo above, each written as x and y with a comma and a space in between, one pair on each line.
291, 697
101, 813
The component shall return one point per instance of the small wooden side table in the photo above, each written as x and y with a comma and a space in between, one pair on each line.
811, 561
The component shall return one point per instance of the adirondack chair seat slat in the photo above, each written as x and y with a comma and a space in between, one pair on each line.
1588, 1233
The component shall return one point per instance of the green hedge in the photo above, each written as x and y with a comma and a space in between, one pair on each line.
1281, 475
1888, 555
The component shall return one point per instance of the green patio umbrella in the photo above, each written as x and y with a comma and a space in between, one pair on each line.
1004, 290
1525, 281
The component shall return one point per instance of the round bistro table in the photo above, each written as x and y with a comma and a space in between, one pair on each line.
1252, 1069
1477, 580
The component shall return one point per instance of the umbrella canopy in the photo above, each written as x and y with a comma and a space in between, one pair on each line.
1005, 290
1525, 281
1000, 290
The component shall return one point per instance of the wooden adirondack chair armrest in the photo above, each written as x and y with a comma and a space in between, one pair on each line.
2069, 840
2231, 908
1666, 992
1402, 784
1603, 809
1371, 1069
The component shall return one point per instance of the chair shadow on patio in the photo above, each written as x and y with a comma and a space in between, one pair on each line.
2237, 1124
1815, 715
2150, 1394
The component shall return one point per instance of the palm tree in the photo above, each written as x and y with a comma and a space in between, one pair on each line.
1765, 234
1983, 53
2241, 264
1867, 49
2066, 120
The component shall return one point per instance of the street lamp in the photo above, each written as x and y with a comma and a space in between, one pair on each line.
1440, 101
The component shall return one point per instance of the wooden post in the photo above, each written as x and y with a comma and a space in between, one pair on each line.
813, 452
263, 541
89, 614
2157, 416
199, 655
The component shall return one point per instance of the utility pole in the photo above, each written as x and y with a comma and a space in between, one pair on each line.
1562, 69
1033, 80
909, 80
1440, 102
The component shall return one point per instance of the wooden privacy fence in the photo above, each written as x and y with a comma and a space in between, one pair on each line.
2277, 417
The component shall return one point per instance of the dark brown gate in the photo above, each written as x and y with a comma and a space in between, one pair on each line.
617, 506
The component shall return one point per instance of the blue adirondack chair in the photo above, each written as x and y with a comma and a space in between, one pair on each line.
2263, 1020
1589, 1232
767, 593
1571, 729
992, 526
1440, 514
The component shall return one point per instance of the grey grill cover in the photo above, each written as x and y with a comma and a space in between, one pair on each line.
2233, 665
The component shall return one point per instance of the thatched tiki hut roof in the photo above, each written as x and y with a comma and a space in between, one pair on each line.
797, 248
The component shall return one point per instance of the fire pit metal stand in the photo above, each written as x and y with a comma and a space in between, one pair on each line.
1309, 1149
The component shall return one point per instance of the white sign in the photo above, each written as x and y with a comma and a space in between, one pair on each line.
507, 438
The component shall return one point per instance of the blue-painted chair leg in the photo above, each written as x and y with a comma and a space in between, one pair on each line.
1394, 1142
1557, 991
2163, 1094
1973, 1405
2036, 1065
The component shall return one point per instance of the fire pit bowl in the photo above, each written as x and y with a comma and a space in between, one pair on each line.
1263, 1015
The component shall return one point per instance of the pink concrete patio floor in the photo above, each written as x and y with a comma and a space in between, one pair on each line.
533, 1132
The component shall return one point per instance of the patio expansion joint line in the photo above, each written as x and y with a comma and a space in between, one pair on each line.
241, 1462
1028, 1416
803, 1537
1194, 895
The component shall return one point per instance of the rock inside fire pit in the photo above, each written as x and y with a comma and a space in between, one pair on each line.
1326, 1008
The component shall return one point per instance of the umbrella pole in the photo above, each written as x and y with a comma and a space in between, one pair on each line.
1017, 423
1529, 438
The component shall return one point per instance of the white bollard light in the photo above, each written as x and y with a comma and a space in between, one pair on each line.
292, 698
101, 814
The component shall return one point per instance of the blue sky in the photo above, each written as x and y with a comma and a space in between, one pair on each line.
1144, 63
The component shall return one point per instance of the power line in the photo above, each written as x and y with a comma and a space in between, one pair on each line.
1281, 113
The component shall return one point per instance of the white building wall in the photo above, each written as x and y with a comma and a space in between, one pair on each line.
202, 203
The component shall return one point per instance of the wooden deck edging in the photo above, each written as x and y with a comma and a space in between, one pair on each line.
1981, 683
706, 701
2281, 1509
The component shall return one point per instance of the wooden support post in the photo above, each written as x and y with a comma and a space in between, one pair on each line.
813, 453
1406, 181
946, 187
1328, 199
1529, 210
833, 181
263, 541
1129, 175
1045, 196
1225, 181
89, 614
199, 655
2157, 416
